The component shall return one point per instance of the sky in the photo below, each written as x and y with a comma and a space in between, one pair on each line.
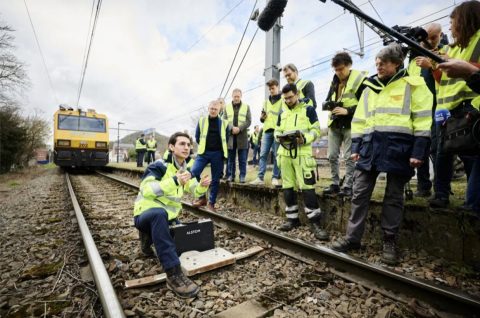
157, 64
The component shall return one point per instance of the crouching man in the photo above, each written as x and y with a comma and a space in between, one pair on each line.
158, 205
296, 129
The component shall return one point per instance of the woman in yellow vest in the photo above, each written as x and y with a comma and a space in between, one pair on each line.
455, 96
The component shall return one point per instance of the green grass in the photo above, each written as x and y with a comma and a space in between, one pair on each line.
14, 183
458, 186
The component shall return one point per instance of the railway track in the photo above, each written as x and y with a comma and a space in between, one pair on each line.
354, 269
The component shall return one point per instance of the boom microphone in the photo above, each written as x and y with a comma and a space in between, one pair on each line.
273, 10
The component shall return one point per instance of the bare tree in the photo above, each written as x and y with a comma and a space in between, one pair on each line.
13, 78
37, 131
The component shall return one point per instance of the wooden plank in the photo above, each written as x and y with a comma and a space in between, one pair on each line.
194, 262
146, 281
247, 253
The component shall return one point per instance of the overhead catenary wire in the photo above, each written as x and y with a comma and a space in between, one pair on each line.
41, 53
85, 64
318, 62
241, 62
238, 48
89, 30
213, 26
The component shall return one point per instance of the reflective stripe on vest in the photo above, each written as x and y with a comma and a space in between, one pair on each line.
381, 112
451, 92
242, 114
203, 123
272, 110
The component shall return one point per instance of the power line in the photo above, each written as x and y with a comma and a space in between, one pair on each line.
86, 39
374, 9
41, 53
320, 61
316, 29
238, 47
213, 26
85, 65
241, 62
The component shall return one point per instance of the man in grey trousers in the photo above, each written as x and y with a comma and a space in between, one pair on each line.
239, 118
342, 99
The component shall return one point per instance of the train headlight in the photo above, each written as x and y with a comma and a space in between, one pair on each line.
100, 144
65, 143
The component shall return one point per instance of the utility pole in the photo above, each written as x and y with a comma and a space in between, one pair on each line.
272, 55
118, 138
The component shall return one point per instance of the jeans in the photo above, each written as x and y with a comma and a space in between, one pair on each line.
242, 162
155, 222
268, 142
256, 153
215, 158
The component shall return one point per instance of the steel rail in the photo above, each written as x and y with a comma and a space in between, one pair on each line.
441, 297
106, 292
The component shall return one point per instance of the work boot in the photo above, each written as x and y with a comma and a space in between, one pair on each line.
211, 207
202, 201
422, 193
289, 225
181, 284
276, 183
318, 231
390, 254
332, 189
257, 181
146, 244
344, 245
346, 192
439, 202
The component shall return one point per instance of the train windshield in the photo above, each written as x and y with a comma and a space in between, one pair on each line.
77, 123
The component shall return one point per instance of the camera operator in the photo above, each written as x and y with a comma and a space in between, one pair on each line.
456, 97
422, 66
342, 99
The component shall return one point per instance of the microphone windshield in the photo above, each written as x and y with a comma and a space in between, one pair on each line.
273, 10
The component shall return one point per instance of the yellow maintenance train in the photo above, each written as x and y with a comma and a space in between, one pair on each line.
80, 138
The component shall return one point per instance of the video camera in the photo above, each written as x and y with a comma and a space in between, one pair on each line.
330, 105
417, 34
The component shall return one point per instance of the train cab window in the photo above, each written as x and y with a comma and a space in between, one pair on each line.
92, 124
76, 123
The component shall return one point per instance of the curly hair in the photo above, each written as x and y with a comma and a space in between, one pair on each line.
467, 22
